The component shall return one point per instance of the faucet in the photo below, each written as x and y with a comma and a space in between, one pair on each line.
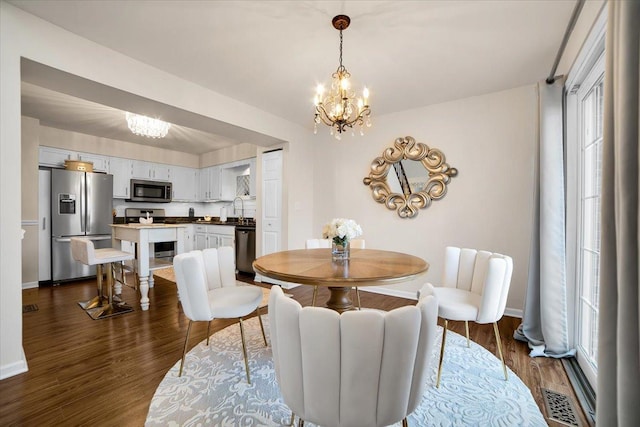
241, 217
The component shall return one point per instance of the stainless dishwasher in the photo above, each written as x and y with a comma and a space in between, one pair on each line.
245, 248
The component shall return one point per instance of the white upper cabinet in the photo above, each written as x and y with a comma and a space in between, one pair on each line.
100, 163
209, 184
238, 179
151, 171
122, 171
252, 178
215, 183
185, 183
54, 157
203, 184
160, 172
141, 169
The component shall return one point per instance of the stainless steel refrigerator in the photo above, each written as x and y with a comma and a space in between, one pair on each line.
81, 205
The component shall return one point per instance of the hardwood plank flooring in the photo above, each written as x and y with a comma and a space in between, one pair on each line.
105, 372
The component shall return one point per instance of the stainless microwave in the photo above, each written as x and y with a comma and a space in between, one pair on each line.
150, 191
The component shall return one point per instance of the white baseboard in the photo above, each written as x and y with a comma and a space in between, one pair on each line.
389, 291
14, 368
284, 285
513, 312
30, 285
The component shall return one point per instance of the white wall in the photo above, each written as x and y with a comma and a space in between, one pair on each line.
23, 35
490, 139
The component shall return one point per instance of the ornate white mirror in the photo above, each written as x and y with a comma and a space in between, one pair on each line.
409, 176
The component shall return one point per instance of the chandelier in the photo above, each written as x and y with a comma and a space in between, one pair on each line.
338, 108
147, 126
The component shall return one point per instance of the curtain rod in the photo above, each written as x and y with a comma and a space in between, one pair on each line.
572, 23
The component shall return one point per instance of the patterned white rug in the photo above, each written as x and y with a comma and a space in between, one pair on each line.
213, 390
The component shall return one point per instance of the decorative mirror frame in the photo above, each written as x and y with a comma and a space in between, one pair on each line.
408, 205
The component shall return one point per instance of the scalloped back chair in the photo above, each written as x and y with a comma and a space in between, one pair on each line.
207, 290
359, 368
475, 286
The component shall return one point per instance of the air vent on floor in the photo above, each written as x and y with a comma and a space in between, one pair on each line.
27, 308
560, 408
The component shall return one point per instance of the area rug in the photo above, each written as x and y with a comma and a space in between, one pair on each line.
213, 390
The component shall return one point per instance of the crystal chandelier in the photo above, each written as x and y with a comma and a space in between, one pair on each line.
147, 126
339, 108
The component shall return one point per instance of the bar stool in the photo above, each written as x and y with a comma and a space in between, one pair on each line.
83, 251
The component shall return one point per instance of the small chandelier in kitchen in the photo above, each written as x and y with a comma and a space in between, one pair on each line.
339, 108
147, 126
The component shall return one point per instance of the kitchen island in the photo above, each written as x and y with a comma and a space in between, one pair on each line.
145, 235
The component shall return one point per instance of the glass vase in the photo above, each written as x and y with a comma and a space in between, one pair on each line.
340, 251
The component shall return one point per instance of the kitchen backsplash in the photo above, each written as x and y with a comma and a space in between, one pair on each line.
182, 208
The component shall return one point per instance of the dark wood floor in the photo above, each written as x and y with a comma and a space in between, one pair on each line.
105, 372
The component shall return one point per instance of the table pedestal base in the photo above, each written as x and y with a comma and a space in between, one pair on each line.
340, 299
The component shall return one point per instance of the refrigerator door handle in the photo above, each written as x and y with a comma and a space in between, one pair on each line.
85, 195
62, 239
95, 238
83, 204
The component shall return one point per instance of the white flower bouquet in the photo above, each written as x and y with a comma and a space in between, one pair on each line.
341, 230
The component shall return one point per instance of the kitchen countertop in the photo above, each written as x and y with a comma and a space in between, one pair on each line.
140, 226
232, 221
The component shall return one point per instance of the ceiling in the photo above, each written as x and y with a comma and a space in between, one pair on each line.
272, 54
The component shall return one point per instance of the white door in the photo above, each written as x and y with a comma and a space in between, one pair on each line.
271, 202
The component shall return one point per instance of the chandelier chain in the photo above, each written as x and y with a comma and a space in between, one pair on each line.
340, 67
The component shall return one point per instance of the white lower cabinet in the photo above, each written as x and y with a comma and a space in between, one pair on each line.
214, 236
189, 238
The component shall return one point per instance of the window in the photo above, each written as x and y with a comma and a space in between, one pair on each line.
584, 176
590, 99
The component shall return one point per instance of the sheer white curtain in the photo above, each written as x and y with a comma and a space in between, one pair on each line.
544, 324
618, 391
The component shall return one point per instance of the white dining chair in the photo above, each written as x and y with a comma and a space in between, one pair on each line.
208, 290
474, 288
326, 243
358, 368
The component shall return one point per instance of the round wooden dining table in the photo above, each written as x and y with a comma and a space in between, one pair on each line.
366, 267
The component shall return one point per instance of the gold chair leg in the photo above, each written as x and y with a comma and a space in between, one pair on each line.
301, 423
262, 327
358, 295
99, 277
315, 294
184, 351
444, 340
208, 331
499, 344
466, 326
244, 351
97, 300
405, 423
293, 418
